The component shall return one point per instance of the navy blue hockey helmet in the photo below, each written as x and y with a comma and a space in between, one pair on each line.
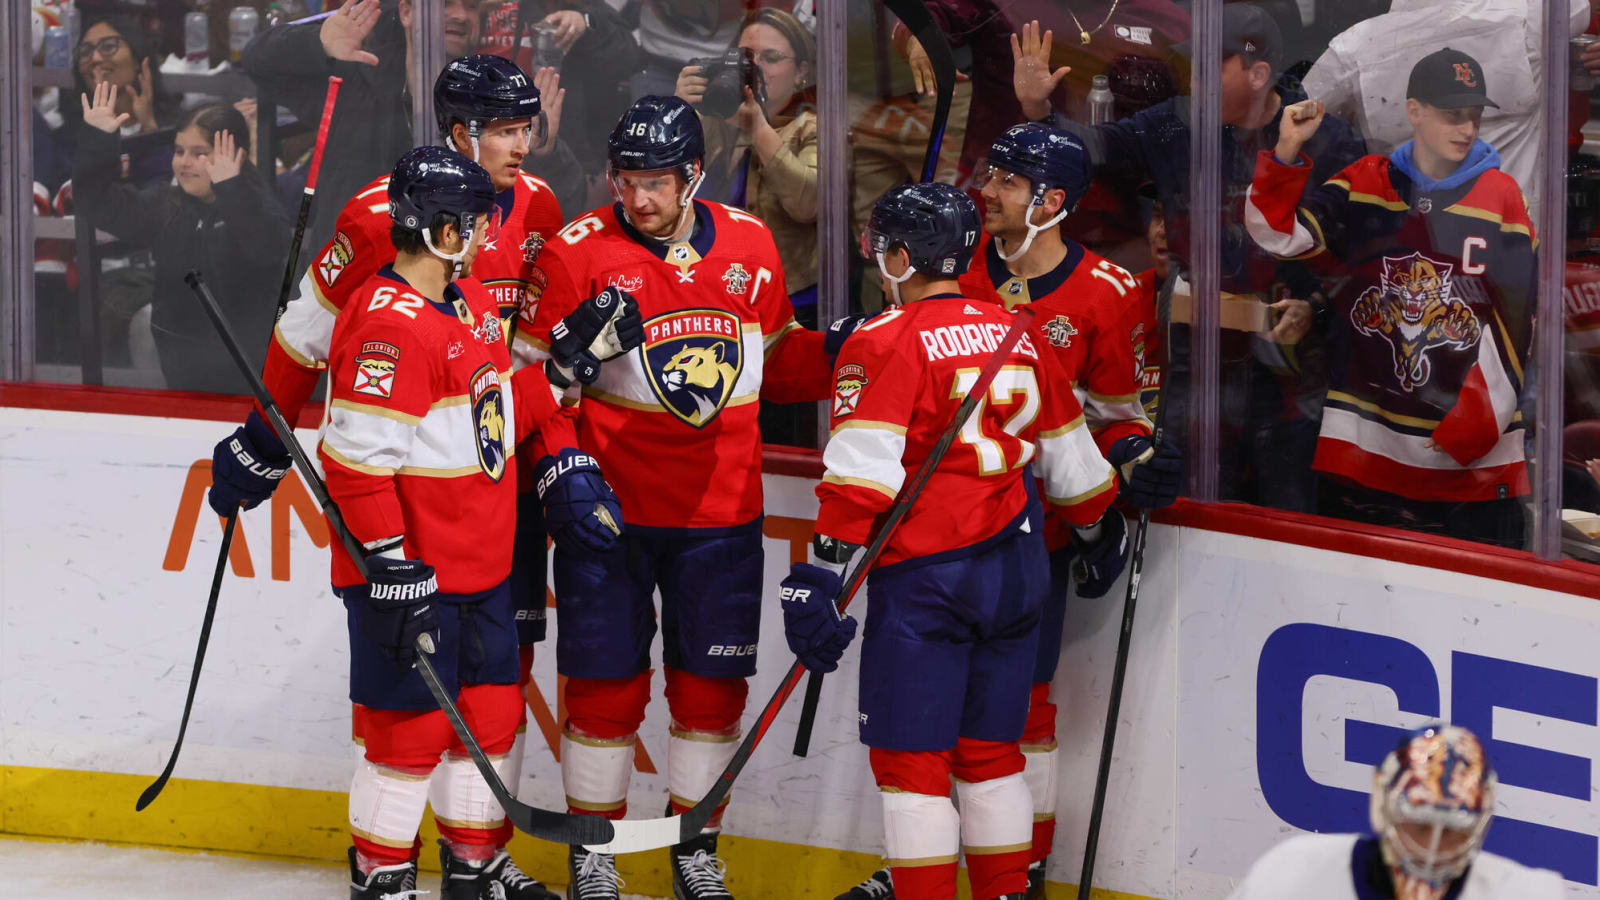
657, 133
432, 180
481, 88
936, 223
1048, 157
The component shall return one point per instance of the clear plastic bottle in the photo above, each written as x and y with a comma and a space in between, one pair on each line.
1101, 103
197, 39
242, 24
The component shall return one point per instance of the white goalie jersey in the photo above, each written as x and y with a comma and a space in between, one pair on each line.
1327, 867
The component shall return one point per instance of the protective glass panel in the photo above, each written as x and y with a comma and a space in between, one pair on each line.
1580, 450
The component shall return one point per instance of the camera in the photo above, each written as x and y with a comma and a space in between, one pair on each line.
726, 78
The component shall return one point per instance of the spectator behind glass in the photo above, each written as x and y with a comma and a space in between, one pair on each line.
597, 54
1358, 77
1420, 429
1270, 399
672, 32
114, 50
765, 156
219, 218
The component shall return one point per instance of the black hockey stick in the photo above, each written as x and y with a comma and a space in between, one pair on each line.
1125, 638
650, 834
559, 827
154, 790
916, 18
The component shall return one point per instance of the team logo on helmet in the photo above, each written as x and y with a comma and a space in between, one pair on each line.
333, 262
1059, 331
693, 358
1415, 309
851, 381
375, 368
489, 421
737, 278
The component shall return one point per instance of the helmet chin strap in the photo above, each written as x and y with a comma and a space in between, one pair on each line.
1033, 230
894, 283
466, 241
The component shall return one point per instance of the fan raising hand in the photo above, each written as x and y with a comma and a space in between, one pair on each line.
101, 112
226, 158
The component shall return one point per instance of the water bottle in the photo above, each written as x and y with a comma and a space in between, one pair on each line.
242, 22
57, 47
196, 40
1101, 103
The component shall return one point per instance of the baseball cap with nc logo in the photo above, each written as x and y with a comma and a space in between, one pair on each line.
1449, 79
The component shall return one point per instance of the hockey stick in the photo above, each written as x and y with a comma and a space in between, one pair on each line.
154, 790
1125, 639
305, 198
916, 18
634, 835
562, 828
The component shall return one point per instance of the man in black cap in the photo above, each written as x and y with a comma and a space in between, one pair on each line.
1420, 428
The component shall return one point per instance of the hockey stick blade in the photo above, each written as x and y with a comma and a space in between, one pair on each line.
559, 827
652, 834
154, 790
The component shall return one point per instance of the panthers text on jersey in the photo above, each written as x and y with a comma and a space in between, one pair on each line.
673, 424
1429, 337
1351, 867
526, 215
1080, 305
899, 380
421, 428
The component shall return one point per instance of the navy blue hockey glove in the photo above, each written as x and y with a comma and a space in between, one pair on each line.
397, 604
603, 327
1101, 562
833, 338
1150, 475
579, 507
246, 467
817, 633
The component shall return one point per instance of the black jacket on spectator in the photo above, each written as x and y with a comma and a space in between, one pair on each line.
371, 125
238, 243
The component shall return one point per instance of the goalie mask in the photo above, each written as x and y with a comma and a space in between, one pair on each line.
1432, 799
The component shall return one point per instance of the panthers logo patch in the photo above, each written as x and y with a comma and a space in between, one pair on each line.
693, 358
489, 421
1415, 309
850, 381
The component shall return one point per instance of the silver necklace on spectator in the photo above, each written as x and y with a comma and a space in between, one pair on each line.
1083, 36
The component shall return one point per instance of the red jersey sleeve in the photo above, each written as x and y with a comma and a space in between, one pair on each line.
383, 379
1078, 482
875, 397
794, 369
1111, 374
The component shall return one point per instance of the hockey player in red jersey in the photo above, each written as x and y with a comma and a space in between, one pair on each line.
1420, 428
423, 418
1036, 176
953, 621
675, 428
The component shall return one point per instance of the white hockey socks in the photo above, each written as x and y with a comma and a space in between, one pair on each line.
464, 808
996, 834
385, 811
595, 773
922, 838
694, 760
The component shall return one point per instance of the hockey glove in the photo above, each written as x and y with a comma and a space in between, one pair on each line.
580, 510
603, 327
246, 467
1102, 559
833, 339
1150, 475
398, 606
817, 633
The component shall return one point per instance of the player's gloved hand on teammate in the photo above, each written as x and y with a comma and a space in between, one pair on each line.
246, 467
1102, 557
399, 605
817, 633
603, 327
1149, 474
833, 338
580, 510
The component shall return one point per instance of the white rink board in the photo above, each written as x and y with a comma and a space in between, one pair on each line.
96, 641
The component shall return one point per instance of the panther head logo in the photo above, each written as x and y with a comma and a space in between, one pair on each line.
693, 358
490, 420
1415, 309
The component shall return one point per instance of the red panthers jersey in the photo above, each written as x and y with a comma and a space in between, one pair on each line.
525, 216
899, 380
1144, 335
1080, 304
1581, 297
421, 425
674, 423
